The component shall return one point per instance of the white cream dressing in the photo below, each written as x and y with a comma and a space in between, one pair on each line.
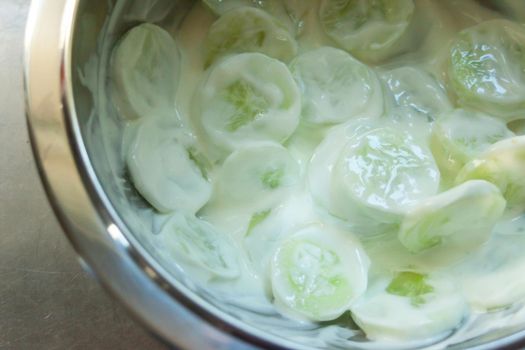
487, 279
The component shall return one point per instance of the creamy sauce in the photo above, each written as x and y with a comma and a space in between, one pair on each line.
301, 180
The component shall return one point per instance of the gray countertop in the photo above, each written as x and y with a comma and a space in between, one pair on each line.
46, 300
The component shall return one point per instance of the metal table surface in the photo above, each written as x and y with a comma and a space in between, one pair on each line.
46, 300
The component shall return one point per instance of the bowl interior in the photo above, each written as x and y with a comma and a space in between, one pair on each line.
97, 27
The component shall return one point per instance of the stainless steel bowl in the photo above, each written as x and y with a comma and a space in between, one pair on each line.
76, 168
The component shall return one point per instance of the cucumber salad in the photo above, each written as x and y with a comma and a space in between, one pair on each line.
356, 162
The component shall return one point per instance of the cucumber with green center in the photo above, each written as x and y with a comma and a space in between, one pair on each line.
327, 78
248, 29
258, 176
386, 169
263, 238
487, 68
408, 306
163, 171
368, 29
144, 73
318, 273
369, 179
246, 98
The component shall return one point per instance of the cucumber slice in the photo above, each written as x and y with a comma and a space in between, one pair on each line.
460, 218
144, 73
248, 29
492, 277
487, 68
246, 98
291, 12
461, 135
386, 169
336, 87
503, 164
409, 306
262, 241
325, 157
162, 169
193, 241
257, 176
416, 89
368, 175
368, 29
318, 273
220, 7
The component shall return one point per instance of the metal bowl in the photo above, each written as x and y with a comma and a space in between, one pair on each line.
77, 168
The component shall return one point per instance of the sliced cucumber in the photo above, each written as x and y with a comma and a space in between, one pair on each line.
487, 68
409, 306
386, 169
281, 222
144, 73
220, 7
196, 242
369, 29
336, 87
416, 89
460, 218
318, 273
257, 176
461, 135
290, 13
162, 169
325, 156
503, 164
370, 177
246, 98
248, 29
